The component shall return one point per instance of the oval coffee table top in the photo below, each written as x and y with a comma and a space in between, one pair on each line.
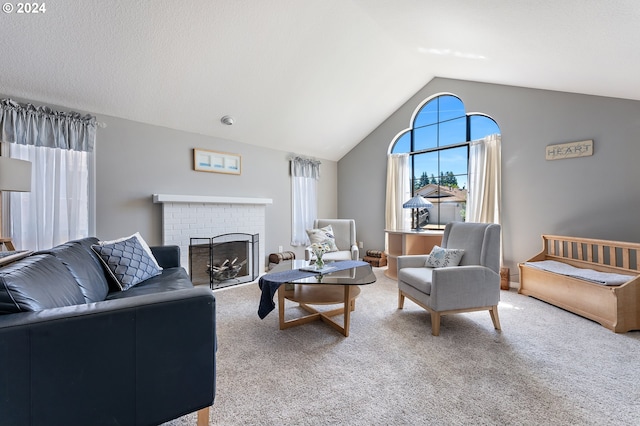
358, 275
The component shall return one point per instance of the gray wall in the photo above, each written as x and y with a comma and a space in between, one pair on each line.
136, 160
593, 196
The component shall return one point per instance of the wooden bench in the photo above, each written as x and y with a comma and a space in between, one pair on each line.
614, 307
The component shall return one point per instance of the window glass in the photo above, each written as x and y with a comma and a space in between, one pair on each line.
481, 126
452, 132
403, 144
454, 166
425, 166
428, 114
425, 137
450, 107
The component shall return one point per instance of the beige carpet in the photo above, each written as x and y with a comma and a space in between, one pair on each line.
546, 366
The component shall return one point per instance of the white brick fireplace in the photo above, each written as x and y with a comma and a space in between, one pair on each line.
196, 216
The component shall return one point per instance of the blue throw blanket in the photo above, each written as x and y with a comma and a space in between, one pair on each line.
269, 283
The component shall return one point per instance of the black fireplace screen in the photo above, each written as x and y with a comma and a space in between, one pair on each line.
224, 260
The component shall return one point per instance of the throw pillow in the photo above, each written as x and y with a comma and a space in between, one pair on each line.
441, 257
127, 261
143, 243
323, 236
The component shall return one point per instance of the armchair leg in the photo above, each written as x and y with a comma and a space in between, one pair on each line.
400, 299
435, 323
203, 417
494, 317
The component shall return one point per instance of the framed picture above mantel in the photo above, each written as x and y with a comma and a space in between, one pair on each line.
205, 160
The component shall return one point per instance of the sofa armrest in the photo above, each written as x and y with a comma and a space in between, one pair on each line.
167, 256
137, 360
355, 252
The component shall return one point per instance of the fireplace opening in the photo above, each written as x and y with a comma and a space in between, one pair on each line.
224, 260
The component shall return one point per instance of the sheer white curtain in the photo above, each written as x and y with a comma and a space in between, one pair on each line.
485, 187
61, 204
398, 192
304, 198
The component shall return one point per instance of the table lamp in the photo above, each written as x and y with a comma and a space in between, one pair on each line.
417, 202
15, 175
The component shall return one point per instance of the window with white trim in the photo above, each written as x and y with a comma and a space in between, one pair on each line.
438, 144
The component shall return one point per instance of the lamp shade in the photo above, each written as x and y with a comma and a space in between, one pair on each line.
15, 175
417, 202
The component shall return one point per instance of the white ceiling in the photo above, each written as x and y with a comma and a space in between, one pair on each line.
313, 77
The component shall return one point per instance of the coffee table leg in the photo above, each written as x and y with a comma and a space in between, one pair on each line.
281, 306
348, 305
347, 309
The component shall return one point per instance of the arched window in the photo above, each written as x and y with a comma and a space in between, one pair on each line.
438, 143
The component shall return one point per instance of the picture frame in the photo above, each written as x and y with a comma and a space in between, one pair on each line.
205, 160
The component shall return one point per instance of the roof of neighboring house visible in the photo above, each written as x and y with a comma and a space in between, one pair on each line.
443, 194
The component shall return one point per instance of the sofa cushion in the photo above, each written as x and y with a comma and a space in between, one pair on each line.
442, 257
127, 262
323, 236
169, 280
418, 278
85, 267
35, 283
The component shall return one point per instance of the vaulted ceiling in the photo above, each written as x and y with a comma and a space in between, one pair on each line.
312, 77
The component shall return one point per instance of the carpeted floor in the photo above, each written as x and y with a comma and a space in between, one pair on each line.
546, 366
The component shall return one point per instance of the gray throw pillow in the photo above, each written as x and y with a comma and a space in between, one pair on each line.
127, 261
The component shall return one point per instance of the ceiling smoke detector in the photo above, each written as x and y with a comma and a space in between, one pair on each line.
227, 119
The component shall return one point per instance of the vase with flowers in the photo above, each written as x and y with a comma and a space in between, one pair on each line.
319, 249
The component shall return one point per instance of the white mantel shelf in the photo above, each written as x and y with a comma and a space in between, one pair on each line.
206, 199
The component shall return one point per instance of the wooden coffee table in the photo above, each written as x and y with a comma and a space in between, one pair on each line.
340, 287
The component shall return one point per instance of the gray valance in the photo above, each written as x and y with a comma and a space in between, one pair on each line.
41, 126
304, 167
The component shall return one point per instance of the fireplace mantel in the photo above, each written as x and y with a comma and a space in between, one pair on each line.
207, 199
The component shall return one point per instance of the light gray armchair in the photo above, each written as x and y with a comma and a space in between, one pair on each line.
344, 231
474, 285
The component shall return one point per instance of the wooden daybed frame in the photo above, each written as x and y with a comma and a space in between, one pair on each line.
614, 307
